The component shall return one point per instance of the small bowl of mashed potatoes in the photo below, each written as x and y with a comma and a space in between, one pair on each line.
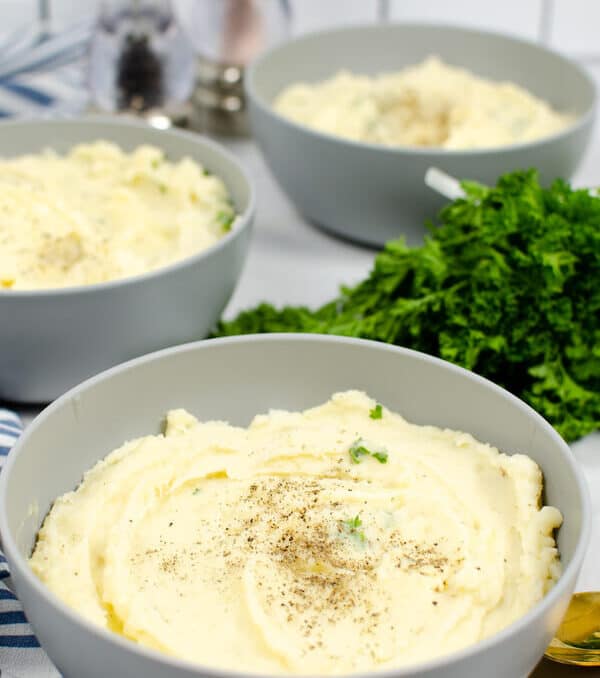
292, 505
365, 111
116, 239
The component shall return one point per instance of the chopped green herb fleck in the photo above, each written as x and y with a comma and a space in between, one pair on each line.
197, 490
162, 188
353, 523
225, 219
358, 450
155, 163
352, 527
207, 173
376, 412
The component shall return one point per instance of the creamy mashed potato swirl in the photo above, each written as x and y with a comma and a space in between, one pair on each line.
429, 104
323, 542
99, 213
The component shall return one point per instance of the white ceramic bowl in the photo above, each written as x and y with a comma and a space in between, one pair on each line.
52, 339
372, 193
234, 379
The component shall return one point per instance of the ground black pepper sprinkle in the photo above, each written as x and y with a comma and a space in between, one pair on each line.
316, 572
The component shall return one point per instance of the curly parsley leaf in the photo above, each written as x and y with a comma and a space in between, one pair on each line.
508, 285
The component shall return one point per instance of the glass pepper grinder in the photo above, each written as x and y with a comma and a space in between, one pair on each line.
140, 61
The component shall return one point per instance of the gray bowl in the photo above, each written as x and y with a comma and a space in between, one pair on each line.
372, 193
52, 339
234, 379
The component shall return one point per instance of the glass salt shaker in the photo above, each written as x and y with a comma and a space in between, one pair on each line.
140, 60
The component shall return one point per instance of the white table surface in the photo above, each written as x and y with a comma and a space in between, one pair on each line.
292, 262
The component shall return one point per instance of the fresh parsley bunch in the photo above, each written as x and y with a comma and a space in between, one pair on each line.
507, 286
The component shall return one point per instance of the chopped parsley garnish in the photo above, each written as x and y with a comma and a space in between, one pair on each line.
225, 219
358, 450
155, 163
352, 527
196, 490
376, 412
162, 188
353, 523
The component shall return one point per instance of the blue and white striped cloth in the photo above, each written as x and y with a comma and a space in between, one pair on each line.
42, 71
39, 95
20, 653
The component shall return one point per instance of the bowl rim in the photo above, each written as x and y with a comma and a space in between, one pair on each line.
255, 97
240, 224
16, 560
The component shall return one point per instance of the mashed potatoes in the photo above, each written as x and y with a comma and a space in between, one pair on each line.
99, 213
430, 104
334, 540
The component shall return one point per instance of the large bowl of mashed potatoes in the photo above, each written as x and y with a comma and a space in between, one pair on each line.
350, 119
116, 239
292, 505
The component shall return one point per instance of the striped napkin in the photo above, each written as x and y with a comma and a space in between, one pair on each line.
43, 69
20, 653
44, 94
